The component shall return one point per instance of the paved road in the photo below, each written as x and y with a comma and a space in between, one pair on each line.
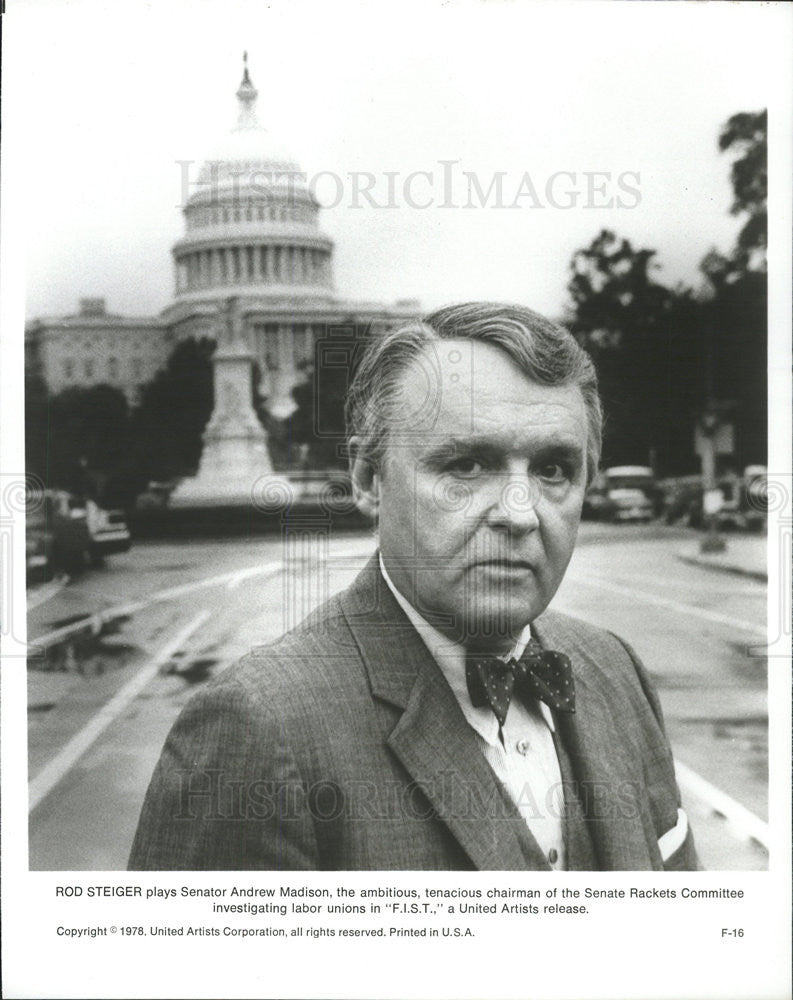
97, 724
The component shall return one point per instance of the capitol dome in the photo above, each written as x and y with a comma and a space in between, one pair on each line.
248, 147
251, 225
252, 242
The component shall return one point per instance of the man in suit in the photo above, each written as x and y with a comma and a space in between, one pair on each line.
434, 715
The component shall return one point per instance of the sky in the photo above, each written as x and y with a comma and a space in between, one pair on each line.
592, 102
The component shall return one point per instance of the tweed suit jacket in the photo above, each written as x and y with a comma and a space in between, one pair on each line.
341, 746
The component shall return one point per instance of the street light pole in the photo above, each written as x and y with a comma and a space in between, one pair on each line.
711, 495
708, 427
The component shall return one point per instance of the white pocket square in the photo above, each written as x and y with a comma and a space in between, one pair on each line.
673, 839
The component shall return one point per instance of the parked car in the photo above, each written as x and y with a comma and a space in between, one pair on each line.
57, 536
39, 543
156, 495
744, 500
755, 496
108, 530
622, 493
683, 501
328, 490
731, 514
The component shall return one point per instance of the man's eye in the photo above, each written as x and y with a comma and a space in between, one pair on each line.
465, 467
553, 472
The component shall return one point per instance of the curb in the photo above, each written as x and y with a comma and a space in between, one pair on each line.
736, 570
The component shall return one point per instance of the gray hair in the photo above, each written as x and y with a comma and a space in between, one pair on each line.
542, 350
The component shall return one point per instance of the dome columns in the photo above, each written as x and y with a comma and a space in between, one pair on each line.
263, 265
251, 224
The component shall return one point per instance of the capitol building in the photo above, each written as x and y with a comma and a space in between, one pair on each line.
252, 255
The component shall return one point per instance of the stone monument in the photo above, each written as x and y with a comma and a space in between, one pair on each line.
235, 465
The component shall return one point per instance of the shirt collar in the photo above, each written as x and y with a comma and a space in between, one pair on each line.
450, 657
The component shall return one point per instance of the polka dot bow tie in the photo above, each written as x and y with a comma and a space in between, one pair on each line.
539, 673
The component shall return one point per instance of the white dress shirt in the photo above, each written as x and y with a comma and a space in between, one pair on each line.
526, 764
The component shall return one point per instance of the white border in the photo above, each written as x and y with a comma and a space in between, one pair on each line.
651, 950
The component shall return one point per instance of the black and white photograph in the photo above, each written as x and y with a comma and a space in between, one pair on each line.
396, 497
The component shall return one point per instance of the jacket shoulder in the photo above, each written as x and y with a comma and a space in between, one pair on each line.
602, 653
317, 659
570, 633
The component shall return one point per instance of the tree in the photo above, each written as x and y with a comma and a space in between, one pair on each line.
318, 421
735, 317
174, 409
88, 440
643, 339
37, 408
746, 135
737, 291
662, 354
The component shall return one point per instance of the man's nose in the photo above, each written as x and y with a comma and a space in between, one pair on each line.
515, 502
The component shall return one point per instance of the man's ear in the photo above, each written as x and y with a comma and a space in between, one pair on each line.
365, 478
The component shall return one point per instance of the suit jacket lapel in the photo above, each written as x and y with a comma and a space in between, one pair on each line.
432, 740
438, 748
609, 782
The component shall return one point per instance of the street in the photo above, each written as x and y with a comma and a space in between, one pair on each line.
100, 708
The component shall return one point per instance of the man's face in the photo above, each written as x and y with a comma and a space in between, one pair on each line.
480, 492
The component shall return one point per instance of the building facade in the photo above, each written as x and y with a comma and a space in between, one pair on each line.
95, 347
252, 233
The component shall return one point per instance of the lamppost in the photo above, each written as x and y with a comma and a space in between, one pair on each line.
708, 429
709, 426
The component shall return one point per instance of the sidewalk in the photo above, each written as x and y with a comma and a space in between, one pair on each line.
744, 555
